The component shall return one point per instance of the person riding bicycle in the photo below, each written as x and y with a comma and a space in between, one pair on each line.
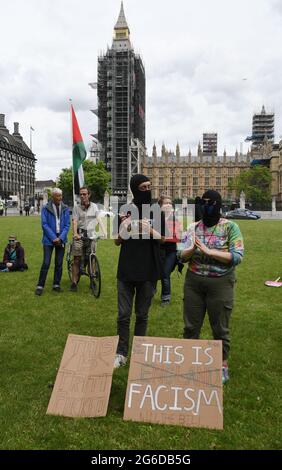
84, 220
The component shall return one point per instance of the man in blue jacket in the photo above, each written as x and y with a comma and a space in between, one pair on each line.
55, 221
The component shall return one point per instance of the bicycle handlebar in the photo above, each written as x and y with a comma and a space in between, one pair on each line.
84, 238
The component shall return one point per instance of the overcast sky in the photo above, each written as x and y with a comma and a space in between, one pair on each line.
209, 66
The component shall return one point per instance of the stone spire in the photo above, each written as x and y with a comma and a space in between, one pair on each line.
177, 153
199, 149
121, 32
189, 156
121, 22
154, 153
200, 153
163, 150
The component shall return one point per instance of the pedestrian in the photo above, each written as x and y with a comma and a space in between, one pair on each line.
85, 218
198, 209
27, 208
139, 265
173, 231
217, 248
1, 207
55, 221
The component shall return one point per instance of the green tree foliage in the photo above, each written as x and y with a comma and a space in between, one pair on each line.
96, 179
255, 183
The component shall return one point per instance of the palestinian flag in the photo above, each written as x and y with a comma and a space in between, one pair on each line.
78, 154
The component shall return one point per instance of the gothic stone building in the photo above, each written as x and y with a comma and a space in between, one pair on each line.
17, 164
189, 176
270, 154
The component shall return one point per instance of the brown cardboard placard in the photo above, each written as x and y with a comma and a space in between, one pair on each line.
175, 381
83, 383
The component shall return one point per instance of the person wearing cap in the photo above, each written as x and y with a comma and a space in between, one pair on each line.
13, 258
210, 279
139, 265
55, 222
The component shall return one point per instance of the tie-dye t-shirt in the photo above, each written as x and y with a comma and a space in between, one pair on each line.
225, 236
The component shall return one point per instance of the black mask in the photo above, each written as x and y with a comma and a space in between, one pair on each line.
140, 197
211, 208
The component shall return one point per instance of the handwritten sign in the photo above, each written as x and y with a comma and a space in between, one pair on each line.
84, 379
175, 381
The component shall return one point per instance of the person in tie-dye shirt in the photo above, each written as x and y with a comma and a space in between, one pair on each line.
216, 249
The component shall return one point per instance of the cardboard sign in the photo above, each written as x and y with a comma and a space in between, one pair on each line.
175, 381
84, 379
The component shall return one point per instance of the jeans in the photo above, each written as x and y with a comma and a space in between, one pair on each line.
58, 270
143, 292
169, 263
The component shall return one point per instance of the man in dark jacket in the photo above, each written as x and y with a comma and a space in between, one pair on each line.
55, 221
13, 258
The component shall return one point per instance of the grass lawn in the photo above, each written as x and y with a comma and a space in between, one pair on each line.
34, 331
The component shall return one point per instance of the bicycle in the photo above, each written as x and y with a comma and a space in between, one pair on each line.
90, 266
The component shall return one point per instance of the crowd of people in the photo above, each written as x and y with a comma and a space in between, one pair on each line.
150, 249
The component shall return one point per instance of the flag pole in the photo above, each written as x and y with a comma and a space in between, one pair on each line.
30, 137
71, 124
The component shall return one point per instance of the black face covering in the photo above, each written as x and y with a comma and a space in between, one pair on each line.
211, 211
140, 197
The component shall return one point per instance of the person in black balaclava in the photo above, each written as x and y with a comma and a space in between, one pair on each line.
198, 209
211, 207
139, 267
210, 278
140, 196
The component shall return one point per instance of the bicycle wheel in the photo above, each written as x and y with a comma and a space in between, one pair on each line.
69, 259
94, 275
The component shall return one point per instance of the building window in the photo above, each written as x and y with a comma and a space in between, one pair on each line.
207, 171
218, 171
183, 181
161, 181
195, 171
195, 181
230, 171
218, 181
207, 182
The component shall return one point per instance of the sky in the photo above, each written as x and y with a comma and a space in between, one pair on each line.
209, 66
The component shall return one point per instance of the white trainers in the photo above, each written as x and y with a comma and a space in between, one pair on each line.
120, 360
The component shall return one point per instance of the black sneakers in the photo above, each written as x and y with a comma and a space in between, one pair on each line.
57, 289
39, 290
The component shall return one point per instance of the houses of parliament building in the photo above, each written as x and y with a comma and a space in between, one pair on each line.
189, 176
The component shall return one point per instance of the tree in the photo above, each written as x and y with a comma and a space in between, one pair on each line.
255, 183
96, 179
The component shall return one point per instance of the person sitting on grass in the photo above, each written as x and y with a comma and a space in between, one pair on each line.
13, 258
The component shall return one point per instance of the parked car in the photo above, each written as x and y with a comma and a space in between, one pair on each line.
242, 214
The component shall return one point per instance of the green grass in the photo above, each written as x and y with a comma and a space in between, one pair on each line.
34, 331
